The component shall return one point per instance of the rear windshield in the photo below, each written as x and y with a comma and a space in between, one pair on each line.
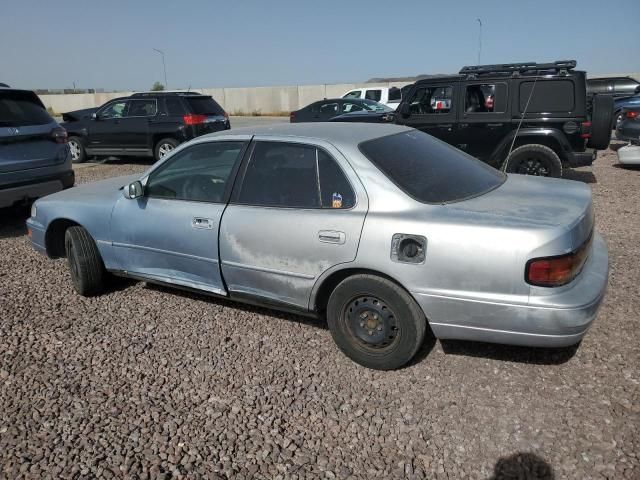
204, 106
430, 170
20, 109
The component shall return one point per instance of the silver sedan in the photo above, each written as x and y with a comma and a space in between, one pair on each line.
382, 229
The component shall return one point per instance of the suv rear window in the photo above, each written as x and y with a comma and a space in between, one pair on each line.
19, 109
204, 106
430, 170
549, 96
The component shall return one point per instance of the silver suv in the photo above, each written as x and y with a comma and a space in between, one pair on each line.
34, 155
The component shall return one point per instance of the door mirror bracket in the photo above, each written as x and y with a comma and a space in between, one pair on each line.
134, 190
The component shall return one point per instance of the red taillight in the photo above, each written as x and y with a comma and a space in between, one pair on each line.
59, 135
585, 130
194, 119
292, 117
556, 271
632, 115
226, 115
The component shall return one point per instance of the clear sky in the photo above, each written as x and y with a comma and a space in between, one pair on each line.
109, 44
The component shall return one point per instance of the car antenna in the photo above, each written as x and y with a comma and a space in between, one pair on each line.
515, 135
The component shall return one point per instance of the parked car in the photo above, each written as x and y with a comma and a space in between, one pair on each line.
34, 155
629, 155
393, 230
615, 86
144, 124
331, 108
619, 104
557, 129
628, 129
389, 96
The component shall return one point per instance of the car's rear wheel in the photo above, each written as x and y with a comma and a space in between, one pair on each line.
601, 121
164, 147
375, 322
537, 160
78, 154
85, 263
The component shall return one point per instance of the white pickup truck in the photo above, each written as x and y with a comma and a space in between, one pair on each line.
389, 96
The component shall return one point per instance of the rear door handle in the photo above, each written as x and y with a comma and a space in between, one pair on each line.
202, 223
494, 125
332, 236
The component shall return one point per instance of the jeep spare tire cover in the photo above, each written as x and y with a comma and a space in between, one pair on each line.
601, 117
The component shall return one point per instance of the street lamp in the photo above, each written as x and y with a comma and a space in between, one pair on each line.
479, 40
164, 66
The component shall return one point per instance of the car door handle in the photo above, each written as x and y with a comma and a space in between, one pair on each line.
494, 125
202, 223
331, 236
445, 125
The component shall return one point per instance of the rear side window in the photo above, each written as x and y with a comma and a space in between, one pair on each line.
203, 105
294, 176
395, 94
142, 108
549, 96
174, 106
485, 98
375, 95
353, 94
428, 169
18, 109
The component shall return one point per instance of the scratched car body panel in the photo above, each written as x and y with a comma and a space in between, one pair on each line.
248, 240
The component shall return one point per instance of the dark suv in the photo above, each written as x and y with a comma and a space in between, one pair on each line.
524, 118
34, 155
144, 124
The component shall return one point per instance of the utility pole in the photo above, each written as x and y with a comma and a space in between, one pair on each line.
479, 40
164, 66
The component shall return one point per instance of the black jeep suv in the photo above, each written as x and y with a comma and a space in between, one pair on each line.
144, 124
523, 118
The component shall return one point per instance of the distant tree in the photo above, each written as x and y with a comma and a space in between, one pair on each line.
157, 86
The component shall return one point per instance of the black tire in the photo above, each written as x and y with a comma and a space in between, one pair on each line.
78, 154
399, 328
534, 159
85, 263
163, 147
601, 121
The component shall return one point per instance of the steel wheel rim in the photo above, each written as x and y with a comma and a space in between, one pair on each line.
533, 166
75, 150
370, 322
164, 149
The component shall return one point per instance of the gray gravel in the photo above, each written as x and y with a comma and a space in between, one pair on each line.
146, 382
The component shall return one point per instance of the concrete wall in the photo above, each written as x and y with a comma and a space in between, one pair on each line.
238, 101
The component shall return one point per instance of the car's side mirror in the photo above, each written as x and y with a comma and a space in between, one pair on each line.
134, 190
405, 110
94, 116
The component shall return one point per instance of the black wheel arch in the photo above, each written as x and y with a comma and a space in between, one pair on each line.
54, 236
549, 137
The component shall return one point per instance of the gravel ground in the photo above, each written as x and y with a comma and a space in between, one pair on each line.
145, 382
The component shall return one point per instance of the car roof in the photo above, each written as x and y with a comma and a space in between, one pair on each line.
335, 133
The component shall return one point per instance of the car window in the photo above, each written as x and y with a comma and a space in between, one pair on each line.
113, 110
142, 108
395, 94
281, 175
431, 100
548, 96
329, 109
375, 95
19, 109
348, 107
428, 169
352, 94
198, 173
204, 105
174, 106
335, 190
485, 98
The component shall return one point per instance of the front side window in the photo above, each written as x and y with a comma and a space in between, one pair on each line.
431, 100
142, 108
199, 173
353, 94
428, 169
374, 95
113, 110
294, 176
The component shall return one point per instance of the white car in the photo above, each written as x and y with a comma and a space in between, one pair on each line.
389, 96
629, 155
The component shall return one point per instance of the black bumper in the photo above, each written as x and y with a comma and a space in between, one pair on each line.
582, 159
35, 188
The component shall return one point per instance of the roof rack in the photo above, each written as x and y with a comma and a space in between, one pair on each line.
561, 66
165, 92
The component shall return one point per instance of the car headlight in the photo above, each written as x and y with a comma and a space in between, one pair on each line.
34, 210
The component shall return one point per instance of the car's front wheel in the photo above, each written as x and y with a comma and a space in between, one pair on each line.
375, 322
164, 147
85, 263
78, 154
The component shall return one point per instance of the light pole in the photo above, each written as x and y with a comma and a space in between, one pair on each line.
479, 40
164, 66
